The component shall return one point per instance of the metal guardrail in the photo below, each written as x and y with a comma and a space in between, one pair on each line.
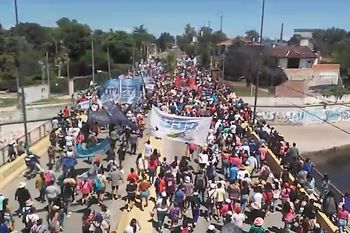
34, 136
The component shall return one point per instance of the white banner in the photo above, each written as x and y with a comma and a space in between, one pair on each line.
179, 128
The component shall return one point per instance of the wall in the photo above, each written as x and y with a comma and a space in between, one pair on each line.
304, 115
291, 88
283, 63
35, 93
33, 113
306, 63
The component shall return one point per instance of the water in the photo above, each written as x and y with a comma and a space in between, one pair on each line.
336, 163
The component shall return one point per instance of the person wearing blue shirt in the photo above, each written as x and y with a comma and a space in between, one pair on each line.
3, 226
179, 197
233, 173
308, 166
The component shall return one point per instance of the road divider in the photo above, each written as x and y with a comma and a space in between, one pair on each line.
10, 171
277, 170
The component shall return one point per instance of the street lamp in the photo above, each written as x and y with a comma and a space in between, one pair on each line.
259, 60
20, 82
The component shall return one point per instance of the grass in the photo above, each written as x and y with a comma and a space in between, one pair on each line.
242, 90
51, 100
7, 102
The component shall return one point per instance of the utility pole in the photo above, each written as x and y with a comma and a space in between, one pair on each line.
221, 20
281, 35
133, 60
48, 73
17, 73
223, 66
259, 60
109, 63
20, 82
92, 61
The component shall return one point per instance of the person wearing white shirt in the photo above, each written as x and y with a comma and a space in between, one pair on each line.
257, 197
245, 148
233, 128
252, 162
148, 150
69, 140
238, 219
242, 173
203, 159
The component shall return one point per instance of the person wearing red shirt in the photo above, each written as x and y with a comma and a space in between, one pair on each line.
80, 138
133, 176
66, 112
343, 216
235, 160
152, 169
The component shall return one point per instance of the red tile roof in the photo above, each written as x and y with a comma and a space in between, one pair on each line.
291, 52
326, 67
228, 42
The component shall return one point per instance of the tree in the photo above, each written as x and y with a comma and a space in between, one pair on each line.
324, 40
142, 39
170, 63
341, 55
76, 37
294, 40
252, 34
165, 41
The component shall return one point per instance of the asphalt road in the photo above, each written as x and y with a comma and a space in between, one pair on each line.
73, 223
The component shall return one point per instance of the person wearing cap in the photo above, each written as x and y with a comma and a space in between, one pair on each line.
189, 187
22, 195
39, 227
195, 207
210, 197
211, 229
11, 150
257, 226
115, 179
256, 211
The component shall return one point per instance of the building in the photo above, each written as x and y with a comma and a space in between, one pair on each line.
293, 57
304, 33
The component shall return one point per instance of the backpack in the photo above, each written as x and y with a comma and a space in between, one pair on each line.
98, 186
48, 177
200, 182
156, 184
98, 229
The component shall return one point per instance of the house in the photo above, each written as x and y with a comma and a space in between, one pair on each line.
296, 57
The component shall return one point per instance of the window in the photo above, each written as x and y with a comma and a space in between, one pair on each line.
293, 63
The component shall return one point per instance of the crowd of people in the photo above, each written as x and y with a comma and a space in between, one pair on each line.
227, 180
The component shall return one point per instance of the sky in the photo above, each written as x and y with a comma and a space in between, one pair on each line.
171, 16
